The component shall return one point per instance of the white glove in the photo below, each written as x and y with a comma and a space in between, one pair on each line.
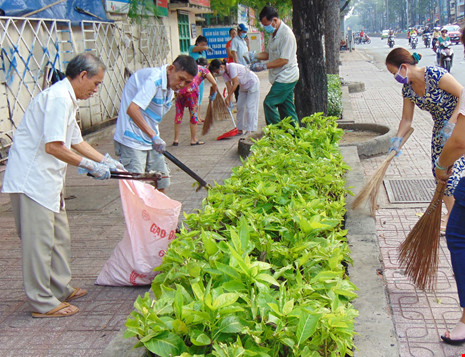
112, 163
96, 169
158, 144
258, 66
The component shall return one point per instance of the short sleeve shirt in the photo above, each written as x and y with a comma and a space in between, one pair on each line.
147, 88
50, 117
247, 79
196, 55
240, 46
283, 45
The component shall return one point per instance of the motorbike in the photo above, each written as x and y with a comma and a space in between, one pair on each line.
413, 41
391, 41
427, 39
446, 55
366, 39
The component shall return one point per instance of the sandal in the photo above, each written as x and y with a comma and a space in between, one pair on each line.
198, 143
175, 143
76, 294
56, 311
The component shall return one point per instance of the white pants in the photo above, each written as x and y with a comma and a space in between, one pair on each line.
248, 102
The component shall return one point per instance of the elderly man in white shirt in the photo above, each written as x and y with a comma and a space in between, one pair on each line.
34, 178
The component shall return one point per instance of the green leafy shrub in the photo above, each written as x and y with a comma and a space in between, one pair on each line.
260, 272
334, 95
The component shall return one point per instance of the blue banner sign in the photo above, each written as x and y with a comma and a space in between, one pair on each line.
217, 38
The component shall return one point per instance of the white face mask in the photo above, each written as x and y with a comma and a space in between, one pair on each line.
221, 71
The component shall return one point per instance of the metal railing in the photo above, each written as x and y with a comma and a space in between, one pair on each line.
32, 48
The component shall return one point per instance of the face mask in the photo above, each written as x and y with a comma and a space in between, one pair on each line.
221, 72
269, 28
243, 35
399, 78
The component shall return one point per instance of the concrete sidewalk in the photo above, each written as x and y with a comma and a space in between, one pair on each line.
419, 318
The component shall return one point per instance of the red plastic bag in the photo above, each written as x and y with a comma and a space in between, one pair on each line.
151, 220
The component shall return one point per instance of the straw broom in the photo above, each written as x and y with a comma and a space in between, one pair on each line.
371, 189
418, 254
217, 110
208, 122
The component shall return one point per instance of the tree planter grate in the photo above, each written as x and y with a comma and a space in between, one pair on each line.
410, 190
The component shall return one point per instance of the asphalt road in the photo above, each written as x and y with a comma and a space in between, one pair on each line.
378, 50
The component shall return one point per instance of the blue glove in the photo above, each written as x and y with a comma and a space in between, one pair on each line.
212, 97
258, 66
158, 144
395, 145
251, 57
112, 163
446, 132
96, 169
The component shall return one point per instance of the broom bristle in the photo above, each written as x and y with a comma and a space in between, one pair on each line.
208, 122
220, 109
371, 189
418, 254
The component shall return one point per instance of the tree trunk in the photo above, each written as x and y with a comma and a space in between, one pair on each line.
332, 36
311, 93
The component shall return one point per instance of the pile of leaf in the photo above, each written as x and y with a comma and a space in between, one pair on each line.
334, 95
260, 271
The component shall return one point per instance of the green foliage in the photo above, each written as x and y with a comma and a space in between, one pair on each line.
260, 271
142, 9
334, 95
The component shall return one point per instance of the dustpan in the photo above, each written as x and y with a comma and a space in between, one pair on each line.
230, 133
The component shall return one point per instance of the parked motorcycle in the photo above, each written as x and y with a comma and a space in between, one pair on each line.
391, 41
427, 39
446, 55
413, 41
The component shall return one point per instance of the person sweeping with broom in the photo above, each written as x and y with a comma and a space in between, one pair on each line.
237, 75
432, 89
189, 97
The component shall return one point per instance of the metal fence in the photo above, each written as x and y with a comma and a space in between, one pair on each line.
31, 49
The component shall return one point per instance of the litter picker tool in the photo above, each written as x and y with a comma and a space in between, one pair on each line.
418, 254
371, 189
187, 170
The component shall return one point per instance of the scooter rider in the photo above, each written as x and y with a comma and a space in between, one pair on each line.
436, 35
443, 38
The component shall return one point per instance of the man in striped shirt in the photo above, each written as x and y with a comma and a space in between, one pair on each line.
146, 98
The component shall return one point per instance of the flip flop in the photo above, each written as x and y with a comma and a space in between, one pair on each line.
56, 311
451, 341
175, 143
198, 143
76, 294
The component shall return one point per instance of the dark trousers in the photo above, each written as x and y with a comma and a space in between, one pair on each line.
455, 236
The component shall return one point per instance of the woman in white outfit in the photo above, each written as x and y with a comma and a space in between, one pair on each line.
234, 75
